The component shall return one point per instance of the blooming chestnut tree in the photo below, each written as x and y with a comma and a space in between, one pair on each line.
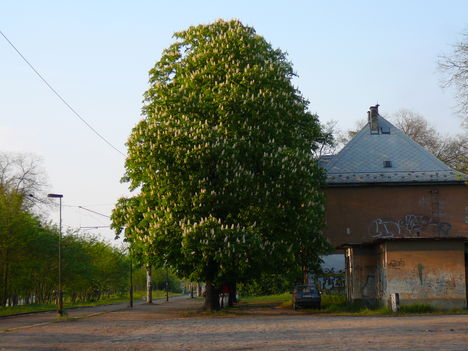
225, 183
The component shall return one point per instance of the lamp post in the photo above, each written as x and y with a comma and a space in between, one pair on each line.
60, 294
131, 277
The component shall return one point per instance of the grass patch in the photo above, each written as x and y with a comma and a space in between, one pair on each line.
418, 308
137, 296
336, 304
9, 311
329, 300
278, 298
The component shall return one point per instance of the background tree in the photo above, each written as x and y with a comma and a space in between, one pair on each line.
23, 174
228, 186
19, 175
29, 247
455, 67
452, 150
329, 142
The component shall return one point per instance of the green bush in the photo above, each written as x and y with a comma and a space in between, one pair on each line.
338, 299
417, 308
267, 284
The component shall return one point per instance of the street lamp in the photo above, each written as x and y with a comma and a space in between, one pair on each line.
131, 276
60, 294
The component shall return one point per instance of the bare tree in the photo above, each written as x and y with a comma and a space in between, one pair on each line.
455, 68
452, 150
23, 174
337, 138
327, 144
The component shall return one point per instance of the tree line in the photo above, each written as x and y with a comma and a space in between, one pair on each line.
29, 261
91, 269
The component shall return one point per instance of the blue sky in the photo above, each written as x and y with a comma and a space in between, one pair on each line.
348, 55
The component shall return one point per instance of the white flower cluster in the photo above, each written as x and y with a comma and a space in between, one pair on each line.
222, 146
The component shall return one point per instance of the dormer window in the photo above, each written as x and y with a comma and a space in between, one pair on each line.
387, 164
385, 129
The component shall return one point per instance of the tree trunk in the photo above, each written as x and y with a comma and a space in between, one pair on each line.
232, 294
211, 298
149, 285
5, 283
199, 289
305, 275
14, 300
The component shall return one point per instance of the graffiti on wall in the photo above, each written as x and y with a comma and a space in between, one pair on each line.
442, 284
408, 225
329, 281
396, 264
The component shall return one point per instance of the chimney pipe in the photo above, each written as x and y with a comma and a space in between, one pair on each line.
373, 118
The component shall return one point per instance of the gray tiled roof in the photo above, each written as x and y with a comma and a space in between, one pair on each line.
362, 160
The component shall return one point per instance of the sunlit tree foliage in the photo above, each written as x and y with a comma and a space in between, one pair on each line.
221, 165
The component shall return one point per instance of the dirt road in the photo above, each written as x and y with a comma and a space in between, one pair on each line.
177, 326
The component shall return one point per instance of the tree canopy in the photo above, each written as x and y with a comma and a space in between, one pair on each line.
221, 163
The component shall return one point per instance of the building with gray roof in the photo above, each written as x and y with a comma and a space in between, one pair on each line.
400, 215
382, 153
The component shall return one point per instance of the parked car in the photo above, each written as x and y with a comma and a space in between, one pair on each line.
306, 296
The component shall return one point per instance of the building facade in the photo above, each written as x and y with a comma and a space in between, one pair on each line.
401, 217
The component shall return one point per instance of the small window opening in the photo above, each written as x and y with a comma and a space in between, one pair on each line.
385, 130
387, 164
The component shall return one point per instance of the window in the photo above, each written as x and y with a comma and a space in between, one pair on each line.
385, 130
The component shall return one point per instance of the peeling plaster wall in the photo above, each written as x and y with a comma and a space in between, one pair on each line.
361, 280
424, 272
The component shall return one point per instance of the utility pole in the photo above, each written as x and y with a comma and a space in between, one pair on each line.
60, 293
131, 278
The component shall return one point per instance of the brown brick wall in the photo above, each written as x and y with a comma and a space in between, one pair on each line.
369, 213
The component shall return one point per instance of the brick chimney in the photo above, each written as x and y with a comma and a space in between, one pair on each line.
372, 115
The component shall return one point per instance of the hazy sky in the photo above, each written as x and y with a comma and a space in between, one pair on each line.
96, 54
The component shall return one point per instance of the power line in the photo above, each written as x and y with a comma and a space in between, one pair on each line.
87, 209
60, 97
95, 227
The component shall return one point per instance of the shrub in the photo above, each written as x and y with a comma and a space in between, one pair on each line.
417, 308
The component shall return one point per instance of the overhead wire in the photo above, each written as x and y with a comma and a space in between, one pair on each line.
87, 209
60, 96
95, 227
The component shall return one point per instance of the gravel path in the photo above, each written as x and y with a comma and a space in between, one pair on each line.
177, 326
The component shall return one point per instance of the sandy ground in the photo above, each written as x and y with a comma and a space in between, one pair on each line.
178, 326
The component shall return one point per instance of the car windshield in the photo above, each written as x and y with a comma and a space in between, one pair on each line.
306, 289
